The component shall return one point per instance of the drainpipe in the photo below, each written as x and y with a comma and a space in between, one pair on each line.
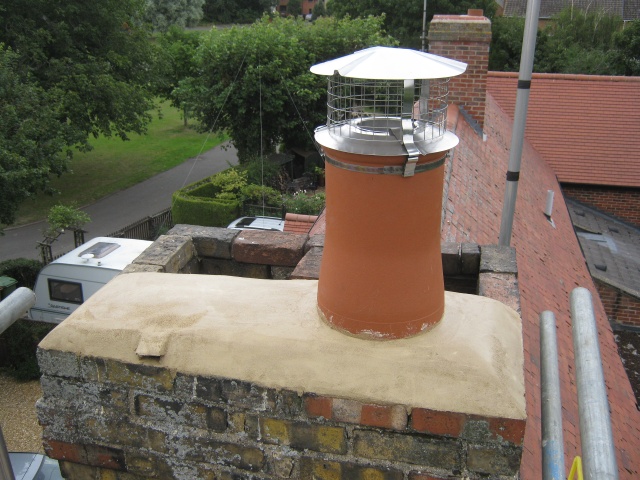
519, 121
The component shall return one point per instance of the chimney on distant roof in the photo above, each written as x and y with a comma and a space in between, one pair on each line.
465, 38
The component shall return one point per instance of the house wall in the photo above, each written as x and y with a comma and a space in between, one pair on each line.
621, 202
620, 306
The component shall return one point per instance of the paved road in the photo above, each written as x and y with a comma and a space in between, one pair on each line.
123, 208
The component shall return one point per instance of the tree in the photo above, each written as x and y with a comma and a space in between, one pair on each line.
403, 20
575, 41
319, 10
578, 41
176, 61
163, 14
64, 217
627, 42
235, 11
74, 69
255, 81
294, 8
33, 141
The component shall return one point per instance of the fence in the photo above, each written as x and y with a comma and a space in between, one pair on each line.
148, 228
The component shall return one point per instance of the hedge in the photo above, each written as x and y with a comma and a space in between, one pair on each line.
207, 212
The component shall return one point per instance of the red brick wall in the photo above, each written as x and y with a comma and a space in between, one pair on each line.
620, 307
621, 202
465, 38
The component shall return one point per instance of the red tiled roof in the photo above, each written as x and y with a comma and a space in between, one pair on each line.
587, 127
550, 265
296, 223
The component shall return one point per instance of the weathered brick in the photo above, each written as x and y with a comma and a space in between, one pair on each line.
415, 449
288, 403
236, 422
139, 268
281, 466
57, 363
317, 406
451, 263
281, 273
192, 414
427, 476
172, 252
384, 416
147, 377
65, 451
208, 389
222, 453
314, 241
500, 286
107, 457
493, 459
437, 423
248, 395
320, 469
498, 259
510, 430
301, 435
346, 410
77, 471
309, 267
234, 269
470, 258
211, 242
268, 248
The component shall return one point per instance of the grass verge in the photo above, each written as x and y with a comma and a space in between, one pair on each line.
114, 165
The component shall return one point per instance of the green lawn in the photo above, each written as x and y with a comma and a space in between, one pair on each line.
114, 165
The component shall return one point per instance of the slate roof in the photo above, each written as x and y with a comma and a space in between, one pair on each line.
611, 248
587, 127
550, 266
627, 9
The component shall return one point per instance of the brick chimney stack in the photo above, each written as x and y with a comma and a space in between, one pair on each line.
465, 38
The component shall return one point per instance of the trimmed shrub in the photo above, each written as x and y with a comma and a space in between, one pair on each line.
23, 270
208, 212
18, 346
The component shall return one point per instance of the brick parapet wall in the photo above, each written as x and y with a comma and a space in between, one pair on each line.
620, 307
621, 202
465, 38
468, 268
107, 419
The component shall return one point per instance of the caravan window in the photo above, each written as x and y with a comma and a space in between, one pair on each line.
63, 291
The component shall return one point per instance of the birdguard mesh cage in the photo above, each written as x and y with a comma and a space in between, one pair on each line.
379, 110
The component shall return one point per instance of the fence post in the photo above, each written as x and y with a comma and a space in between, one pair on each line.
598, 452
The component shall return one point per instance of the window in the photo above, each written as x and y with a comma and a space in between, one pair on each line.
63, 291
100, 249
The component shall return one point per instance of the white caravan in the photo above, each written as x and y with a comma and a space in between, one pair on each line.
65, 283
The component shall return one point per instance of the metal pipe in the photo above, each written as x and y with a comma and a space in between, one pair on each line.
598, 452
519, 121
15, 306
424, 25
552, 436
6, 472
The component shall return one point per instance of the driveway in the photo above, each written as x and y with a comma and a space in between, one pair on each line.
122, 208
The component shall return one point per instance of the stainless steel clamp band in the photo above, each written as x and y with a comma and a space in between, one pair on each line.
388, 170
